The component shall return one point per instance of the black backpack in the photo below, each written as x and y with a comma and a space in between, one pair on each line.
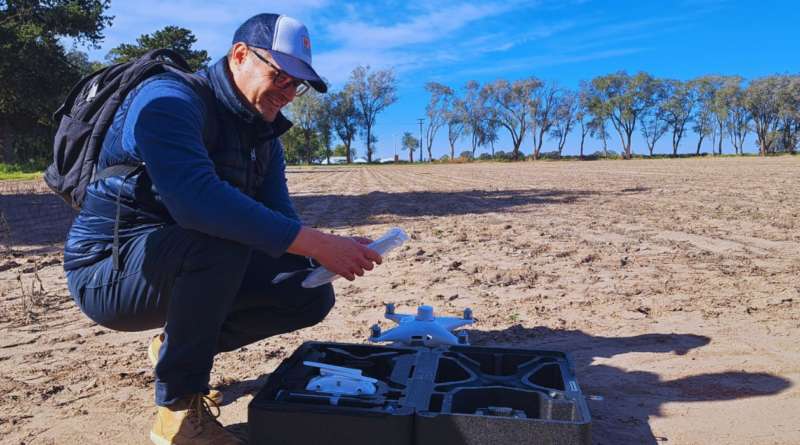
87, 114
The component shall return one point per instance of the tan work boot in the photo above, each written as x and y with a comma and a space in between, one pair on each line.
191, 421
152, 354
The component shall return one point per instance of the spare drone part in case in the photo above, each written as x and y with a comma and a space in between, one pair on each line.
423, 329
340, 380
285, 411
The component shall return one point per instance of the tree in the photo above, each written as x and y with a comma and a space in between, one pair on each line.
737, 116
81, 63
566, 107
582, 116
346, 118
513, 106
761, 98
622, 98
598, 129
409, 142
372, 141
545, 101
492, 125
454, 116
373, 93
703, 118
35, 73
789, 115
719, 104
653, 120
681, 98
305, 111
441, 96
324, 124
475, 114
173, 37
292, 142
341, 151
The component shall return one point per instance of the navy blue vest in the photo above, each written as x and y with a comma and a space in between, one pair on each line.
238, 142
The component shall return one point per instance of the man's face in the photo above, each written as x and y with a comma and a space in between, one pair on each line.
256, 81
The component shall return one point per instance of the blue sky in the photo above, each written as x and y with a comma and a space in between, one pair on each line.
453, 41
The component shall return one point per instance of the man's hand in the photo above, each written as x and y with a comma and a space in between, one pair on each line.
361, 240
341, 255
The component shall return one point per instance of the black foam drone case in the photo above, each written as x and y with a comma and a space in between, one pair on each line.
457, 395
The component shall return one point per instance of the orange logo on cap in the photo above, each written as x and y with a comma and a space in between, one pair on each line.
307, 44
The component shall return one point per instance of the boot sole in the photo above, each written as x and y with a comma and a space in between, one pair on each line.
158, 440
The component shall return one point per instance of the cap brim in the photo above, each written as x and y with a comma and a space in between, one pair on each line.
299, 70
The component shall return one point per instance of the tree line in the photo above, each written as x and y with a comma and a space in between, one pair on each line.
715, 107
37, 71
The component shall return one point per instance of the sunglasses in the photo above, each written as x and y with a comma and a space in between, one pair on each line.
283, 80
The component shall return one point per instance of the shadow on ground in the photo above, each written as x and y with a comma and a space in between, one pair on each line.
632, 397
356, 210
35, 219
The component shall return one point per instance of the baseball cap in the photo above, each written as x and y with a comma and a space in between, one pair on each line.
286, 40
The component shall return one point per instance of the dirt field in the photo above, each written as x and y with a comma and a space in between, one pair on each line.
674, 284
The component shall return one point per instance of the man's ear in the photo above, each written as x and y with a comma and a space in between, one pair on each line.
238, 55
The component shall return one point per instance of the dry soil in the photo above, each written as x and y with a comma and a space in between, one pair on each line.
674, 284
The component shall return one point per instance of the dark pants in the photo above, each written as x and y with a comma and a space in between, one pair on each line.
210, 295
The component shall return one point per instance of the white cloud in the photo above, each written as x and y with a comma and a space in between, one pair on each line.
213, 23
530, 63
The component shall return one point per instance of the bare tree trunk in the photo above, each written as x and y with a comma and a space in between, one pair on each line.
720, 139
713, 144
698, 144
625, 150
308, 146
369, 141
628, 148
452, 152
347, 144
583, 137
7, 152
537, 150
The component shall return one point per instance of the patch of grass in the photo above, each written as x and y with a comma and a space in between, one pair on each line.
26, 171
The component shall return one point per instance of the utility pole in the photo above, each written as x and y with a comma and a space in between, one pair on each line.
420, 138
